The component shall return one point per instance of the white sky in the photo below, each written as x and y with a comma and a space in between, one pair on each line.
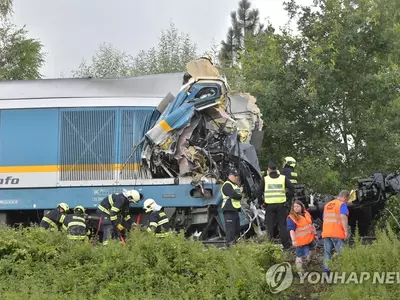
73, 29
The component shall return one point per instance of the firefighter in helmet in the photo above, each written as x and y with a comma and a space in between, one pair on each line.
114, 209
54, 219
76, 226
289, 169
159, 222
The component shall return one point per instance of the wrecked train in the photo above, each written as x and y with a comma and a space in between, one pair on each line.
79, 140
201, 134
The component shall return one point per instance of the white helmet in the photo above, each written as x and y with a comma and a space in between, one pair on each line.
149, 205
132, 195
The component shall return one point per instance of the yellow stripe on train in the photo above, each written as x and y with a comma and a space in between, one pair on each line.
165, 126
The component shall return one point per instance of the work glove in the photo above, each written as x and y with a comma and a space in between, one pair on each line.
120, 227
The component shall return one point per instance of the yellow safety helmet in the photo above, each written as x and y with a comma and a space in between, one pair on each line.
64, 206
79, 207
290, 161
353, 195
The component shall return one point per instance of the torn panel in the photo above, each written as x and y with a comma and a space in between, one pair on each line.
182, 146
202, 68
165, 102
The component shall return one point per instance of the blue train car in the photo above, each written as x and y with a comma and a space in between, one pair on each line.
66, 140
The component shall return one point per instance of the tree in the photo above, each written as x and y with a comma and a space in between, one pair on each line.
174, 50
106, 62
330, 96
274, 78
5, 8
20, 57
229, 48
353, 73
244, 21
213, 52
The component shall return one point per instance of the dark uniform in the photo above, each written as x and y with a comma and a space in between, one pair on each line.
290, 173
113, 210
276, 209
231, 206
159, 223
76, 227
54, 219
289, 170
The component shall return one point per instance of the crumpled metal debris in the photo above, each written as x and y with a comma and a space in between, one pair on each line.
205, 130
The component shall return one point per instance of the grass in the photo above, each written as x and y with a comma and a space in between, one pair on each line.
38, 264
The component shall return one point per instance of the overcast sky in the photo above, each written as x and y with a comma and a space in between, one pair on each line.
73, 29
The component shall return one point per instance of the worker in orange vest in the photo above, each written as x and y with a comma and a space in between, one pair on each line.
302, 233
335, 226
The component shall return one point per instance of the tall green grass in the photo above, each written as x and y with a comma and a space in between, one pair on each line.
383, 255
36, 264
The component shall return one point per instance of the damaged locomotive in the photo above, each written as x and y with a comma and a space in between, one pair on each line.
199, 134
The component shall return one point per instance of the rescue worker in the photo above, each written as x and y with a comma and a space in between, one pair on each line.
159, 222
231, 206
302, 232
114, 209
54, 219
289, 169
276, 204
75, 224
335, 226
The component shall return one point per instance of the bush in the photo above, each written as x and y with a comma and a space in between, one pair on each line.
393, 218
381, 256
37, 264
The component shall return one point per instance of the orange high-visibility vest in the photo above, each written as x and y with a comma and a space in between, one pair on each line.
332, 226
304, 233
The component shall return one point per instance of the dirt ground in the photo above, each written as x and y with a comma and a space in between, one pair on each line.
306, 290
